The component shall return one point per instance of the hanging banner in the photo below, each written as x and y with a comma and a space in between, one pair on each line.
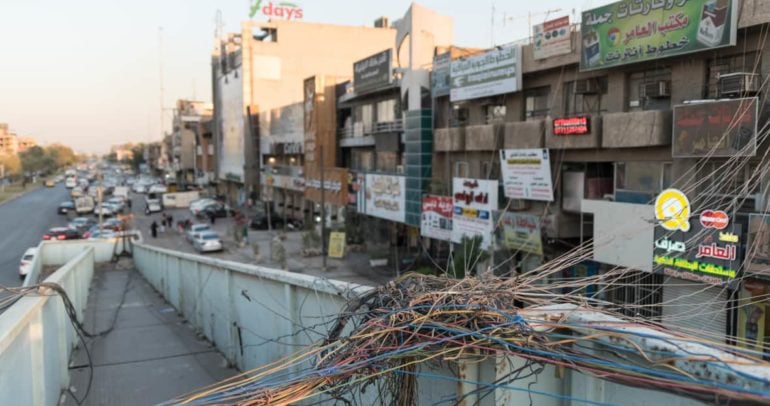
436, 218
386, 197
526, 174
551, 38
474, 202
497, 71
633, 31
521, 232
716, 129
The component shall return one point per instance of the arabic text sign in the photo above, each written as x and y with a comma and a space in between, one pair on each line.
579, 125
527, 174
521, 232
632, 31
336, 244
440, 76
372, 72
386, 197
496, 71
717, 129
474, 202
551, 38
436, 220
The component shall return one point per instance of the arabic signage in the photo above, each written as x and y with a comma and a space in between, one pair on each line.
579, 125
632, 31
440, 76
521, 232
436, 218
281, 9
526, 174
294, 183
386, 197
335, 185
474, 202
758, 247
336, 244
372, 72
551, 38
497, 71
716, 129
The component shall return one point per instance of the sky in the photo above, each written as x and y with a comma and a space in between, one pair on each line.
86, 73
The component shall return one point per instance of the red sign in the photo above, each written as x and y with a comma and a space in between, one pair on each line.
571, 126
439, 204
714, 219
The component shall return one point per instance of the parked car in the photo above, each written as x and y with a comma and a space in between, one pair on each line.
152, 206
197, 205
258, 221
207, 241
140, 188
217, 209
196, 229
61, 233
65, 207
25, 265
157, 188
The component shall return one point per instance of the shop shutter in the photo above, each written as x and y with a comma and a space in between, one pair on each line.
695, 308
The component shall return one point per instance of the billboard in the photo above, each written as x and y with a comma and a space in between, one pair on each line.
526, 174
551, 38
716, 129
497, 71
521, 232
441, 75
631, 31
372, 72
386, 197
436, 217
474, 201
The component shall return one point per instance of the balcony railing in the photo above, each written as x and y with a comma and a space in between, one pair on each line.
361, 129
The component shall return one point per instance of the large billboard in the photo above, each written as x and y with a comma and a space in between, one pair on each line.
551, 38
372, 72
440, 76
436, 218
716, 129
497, 71
386, 197
633, 31
526, 174
474, 202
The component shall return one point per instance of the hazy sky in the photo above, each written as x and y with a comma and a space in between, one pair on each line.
86, 72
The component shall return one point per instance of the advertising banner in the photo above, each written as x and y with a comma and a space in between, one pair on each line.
474, 202
372, 72
496, 71
436, 217
632, 31
521, 232
386, 197
335, 186
551, 38
440, 76
336, 244
526, 174
716, 129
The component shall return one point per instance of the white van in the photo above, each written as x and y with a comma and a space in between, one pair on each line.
71, 182
84, 205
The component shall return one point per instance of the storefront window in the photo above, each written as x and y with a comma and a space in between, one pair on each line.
362, 160
387, 161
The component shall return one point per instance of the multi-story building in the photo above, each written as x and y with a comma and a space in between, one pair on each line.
9, 143
191, 126
26, 143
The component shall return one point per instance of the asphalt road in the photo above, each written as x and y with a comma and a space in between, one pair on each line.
22, 223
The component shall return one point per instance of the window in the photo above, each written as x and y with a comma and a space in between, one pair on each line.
536, 102
650, 90
745, 62
387, 161
637, 293
639, 182
490, 170
725, 180
585, 96
386, 111
461, 170
458, 117
365, 117
362, 160
495, 113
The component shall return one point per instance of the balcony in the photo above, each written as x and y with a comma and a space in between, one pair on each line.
637, 129
387, 127
524, 134
449, 139
483, 137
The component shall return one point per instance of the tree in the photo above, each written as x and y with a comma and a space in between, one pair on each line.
62, 155
36, 160
467, 256
11, 163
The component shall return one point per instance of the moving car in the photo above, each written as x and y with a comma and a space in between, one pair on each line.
71, 182
101, 234
207, 241
104, 210
81, 224
25, 265
65, 207
84, 205
61, 233
196, 229
50, 183
197, 205
76, 192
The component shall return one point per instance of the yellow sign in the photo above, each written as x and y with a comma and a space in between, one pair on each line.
672, 210
337, 245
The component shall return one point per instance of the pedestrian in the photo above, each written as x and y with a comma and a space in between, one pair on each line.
170, 221
129, 204
164, 220
154, 229
212, 217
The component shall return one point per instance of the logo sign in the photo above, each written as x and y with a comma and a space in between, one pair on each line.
627, 32
716, 219
283, 9
672, 210
571, 126
497, 71
373, 72
716, 129
551, 38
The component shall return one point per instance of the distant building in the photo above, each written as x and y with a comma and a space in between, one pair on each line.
26, 143
8, 142
190, 157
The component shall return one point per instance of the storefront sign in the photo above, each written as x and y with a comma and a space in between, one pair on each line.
294, 183
672, 210
632, 31
440, 76
436, 217
474, 202
336, 244
716, 129
572, 126
373, 72
758, 247
521, 232
386, 196
716, 219
527, 174
551, 38
497, 71
335, 182
282, 9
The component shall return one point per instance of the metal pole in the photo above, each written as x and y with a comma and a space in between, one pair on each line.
323, 208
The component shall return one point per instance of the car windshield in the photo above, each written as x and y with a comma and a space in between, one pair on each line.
210, 237
28, 257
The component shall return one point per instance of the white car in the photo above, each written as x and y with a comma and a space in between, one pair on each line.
25, 266
196, 229
152, 206
207, 241
140, 188
157, 188
197, 205
104, 210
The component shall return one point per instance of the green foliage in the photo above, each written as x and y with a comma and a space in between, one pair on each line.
11, 163
311, 239
467, 256
47, 160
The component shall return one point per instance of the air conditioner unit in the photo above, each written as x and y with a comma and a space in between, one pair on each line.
586, 86
736, 84
656, 90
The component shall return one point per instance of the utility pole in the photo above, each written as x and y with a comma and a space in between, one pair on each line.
160, 76
323, 207
2, 177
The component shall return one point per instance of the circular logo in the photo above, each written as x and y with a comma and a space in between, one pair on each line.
614, 36
672, 210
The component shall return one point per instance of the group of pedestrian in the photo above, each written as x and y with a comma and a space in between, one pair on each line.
167, 221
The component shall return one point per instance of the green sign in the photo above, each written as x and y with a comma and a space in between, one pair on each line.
633, 31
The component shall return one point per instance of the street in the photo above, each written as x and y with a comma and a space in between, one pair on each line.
23, 222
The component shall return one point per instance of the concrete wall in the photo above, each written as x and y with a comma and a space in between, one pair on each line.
483, 137
637, 129
524, 134
449, 139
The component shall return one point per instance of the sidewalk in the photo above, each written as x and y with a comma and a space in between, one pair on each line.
151, 355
